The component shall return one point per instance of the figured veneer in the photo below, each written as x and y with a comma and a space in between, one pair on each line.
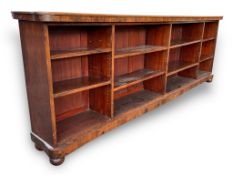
87, 74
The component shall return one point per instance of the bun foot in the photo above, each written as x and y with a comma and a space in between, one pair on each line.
210, 80
38, 147
57, 161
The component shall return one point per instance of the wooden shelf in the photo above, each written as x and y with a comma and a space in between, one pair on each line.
71, 86
204, 58
76, 126
176, 82
137, 50
201, 74
60, 54
134, 100
180, 43
178, 66
135, 77
208, 39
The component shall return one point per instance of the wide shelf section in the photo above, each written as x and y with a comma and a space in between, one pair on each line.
137, 50
69, 53
78, 125
71, 86
135, 77
134, 100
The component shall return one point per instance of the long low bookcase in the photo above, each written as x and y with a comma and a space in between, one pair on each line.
87, 74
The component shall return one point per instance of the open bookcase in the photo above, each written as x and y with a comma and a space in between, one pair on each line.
87, 74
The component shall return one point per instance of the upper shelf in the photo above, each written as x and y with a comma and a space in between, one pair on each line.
137, 50
59, 54
81, 17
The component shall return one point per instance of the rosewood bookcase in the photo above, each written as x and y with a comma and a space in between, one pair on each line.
87, 74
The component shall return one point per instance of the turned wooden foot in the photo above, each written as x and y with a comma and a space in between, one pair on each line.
38, 147
57, 161
210, 80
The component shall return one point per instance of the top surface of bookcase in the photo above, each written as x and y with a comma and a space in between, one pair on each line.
81, 17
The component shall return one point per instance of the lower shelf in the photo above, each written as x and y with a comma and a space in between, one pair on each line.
78, 125
176, 82
201, 73
134, 100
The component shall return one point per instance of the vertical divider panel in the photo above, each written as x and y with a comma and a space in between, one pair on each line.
112, 69
167, 59
199, 56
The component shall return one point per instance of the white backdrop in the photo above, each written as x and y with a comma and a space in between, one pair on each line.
188, 136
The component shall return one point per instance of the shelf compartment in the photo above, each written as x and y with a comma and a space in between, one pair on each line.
135, 77
137, 50
183, 57
80, 73
175, 67
134, 100
211, 29
206, 65
176, 82
184, 34
67, 87
78, 125
73, 104
133, 40
131, 70
60, 54
207, 49
72, 41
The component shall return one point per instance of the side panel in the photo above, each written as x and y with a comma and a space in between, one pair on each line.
37, 65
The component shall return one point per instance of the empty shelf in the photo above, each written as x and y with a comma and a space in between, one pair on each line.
176, 82
201, 74
137, 50
59, 54
134, 100
66, 87
177, 66
180, 43
135, 77
73, 127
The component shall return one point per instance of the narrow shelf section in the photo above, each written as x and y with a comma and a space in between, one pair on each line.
76, 126
70, 86
137, 50
134, 100
177, 66
180, 43
60, 54
135, 77
201, 74
176, 82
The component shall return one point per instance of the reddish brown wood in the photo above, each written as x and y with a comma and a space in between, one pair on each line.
79, 17
34, 41
87, 74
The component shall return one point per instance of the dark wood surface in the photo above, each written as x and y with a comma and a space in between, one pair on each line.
34, 41
80, 17
87, 74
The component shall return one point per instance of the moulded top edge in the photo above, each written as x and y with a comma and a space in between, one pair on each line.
102, 18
